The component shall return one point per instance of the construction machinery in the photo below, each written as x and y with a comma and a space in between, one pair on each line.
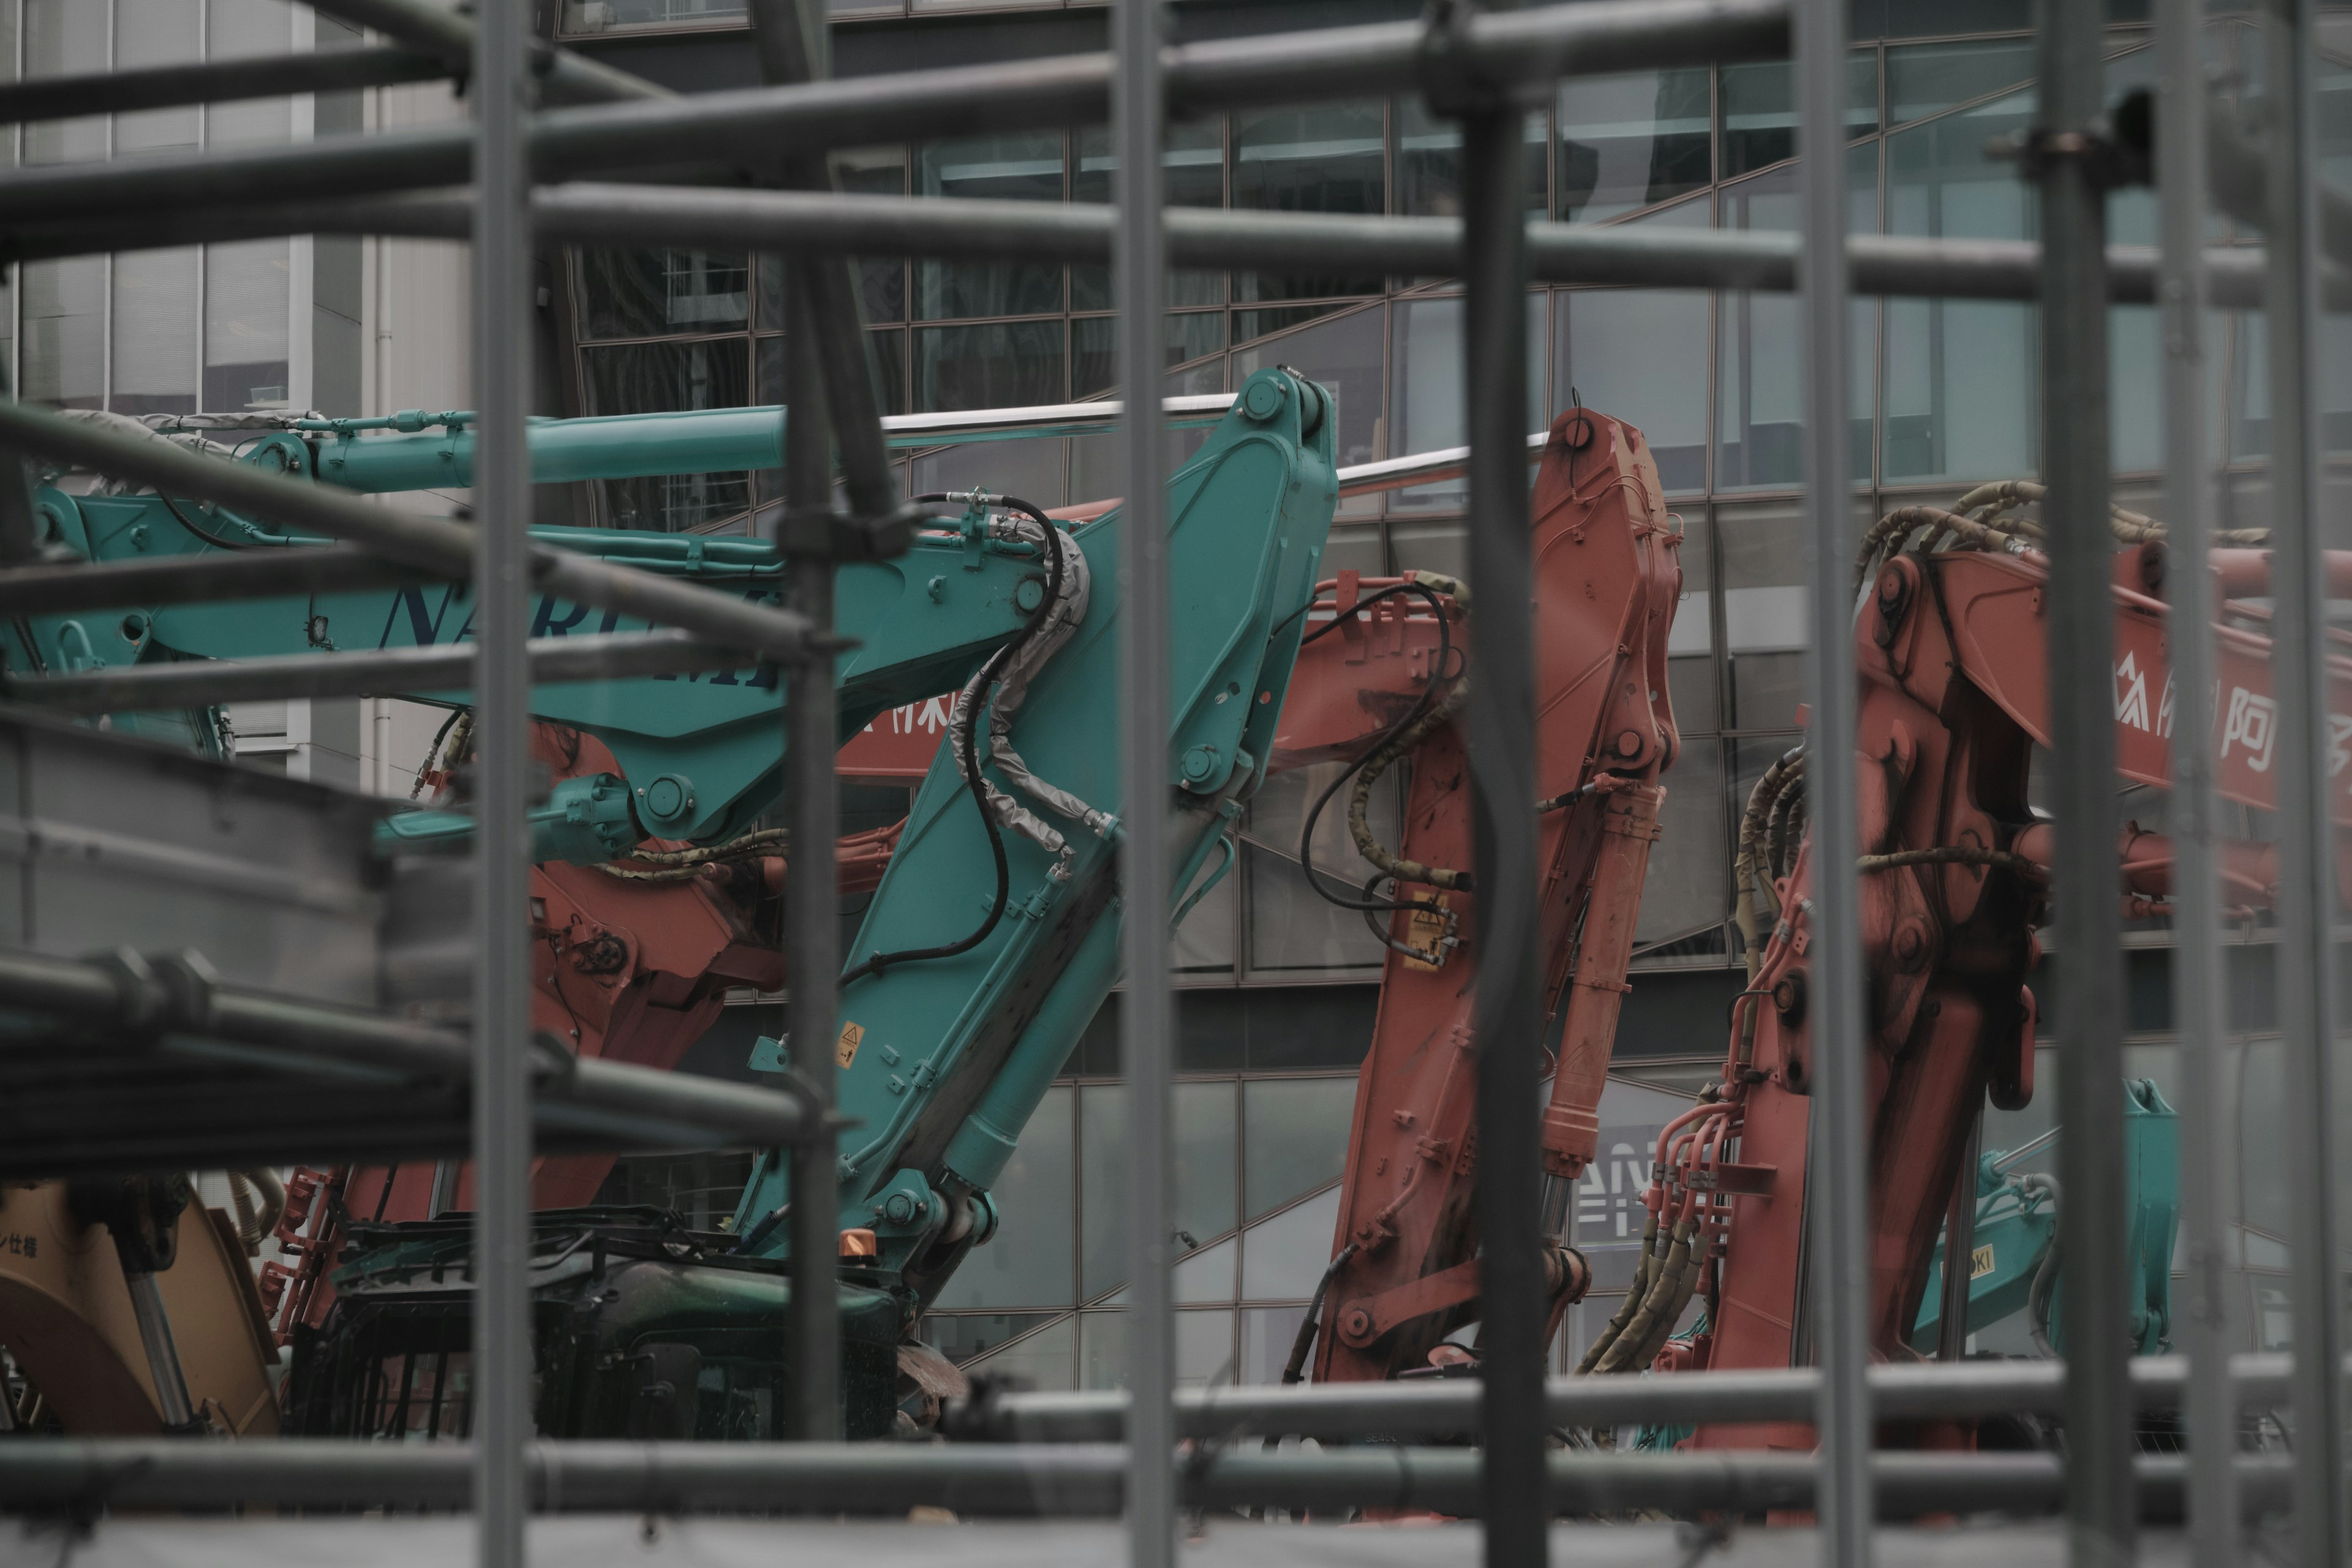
957, 1010
1951, 644
1404, 1268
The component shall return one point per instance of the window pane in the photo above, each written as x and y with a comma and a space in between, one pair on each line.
1019, 168
1094, 346
1291, 926
1428, 161
1608, 1211
639, 293
1045, 1360
64, 332
1027, 1263
1759, 397
155, 332
244, 29
1626, 141
1295, 1134
64, 38
966, 1336
1031, 468
1267, 1336
1759, 118
1006, 364
1425, 398
1764, 609
1928, 78
1193, 175
1641, 354
1326, 160
1283, 1257
882, 280
1688, 888
1961, 395
1204, 1349
245, 311
1201, 1123
154, 33
651, 378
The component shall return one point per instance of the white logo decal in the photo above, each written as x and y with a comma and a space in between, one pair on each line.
2131, 693
2251, 722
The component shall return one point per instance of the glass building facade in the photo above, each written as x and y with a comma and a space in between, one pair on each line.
1279, 987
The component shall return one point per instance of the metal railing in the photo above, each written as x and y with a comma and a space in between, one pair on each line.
1473, 66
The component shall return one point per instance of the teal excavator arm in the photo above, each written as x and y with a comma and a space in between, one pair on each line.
941, 1062
943, 1055
2012, 1265
699, 754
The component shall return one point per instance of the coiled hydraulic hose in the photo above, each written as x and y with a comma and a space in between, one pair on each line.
974, 714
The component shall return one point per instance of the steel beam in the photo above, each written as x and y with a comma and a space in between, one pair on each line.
173, 1003
1837, 1285
565, 77
2307, 953
1342, 1412
1147, 1014
886, 1480
258, 574
199, 683
428, 543
2200, 985
763, 123
2062, 157
820, 222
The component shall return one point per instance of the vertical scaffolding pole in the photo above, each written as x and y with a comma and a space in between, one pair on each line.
793, 43
1506, 1020
2198, 983
502, 1001
2307, 846
2065, 157
1147, 1016
1840, 1153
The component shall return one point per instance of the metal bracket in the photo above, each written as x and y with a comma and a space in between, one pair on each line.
2115, 150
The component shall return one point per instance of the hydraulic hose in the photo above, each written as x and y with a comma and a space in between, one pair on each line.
2039, 1294
1644, 1272
1632, 1349
974, 714
1295, 1368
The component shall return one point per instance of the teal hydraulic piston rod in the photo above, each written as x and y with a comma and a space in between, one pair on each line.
966, 988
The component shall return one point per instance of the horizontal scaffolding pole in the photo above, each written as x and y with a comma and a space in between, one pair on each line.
213, 81
830, 223
755, 126
1083, 1479
202, 682
200, 580
175, 1003
564, 76
429, 543
1450, 1406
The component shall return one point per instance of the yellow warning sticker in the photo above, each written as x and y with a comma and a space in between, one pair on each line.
1425, 930
1981, 1263
845, 1050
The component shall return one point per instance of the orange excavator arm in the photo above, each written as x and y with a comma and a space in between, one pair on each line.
1404, 1271
1951, 645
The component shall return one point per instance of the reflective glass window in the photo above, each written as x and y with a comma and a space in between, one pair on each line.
1759, 115
1202, 1124
64, 332
1759, 389
1428, 161
1425, 392
1003, 365
882, 280
64, 38
1928, 78
1641, 355
154, 339
1324, 159
1629, 141
1765, 603
1345, 354
1295, 1139
641, 294
243, 28
248, 292
1024, 167
1290, 926
154, 33
1029, 1262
